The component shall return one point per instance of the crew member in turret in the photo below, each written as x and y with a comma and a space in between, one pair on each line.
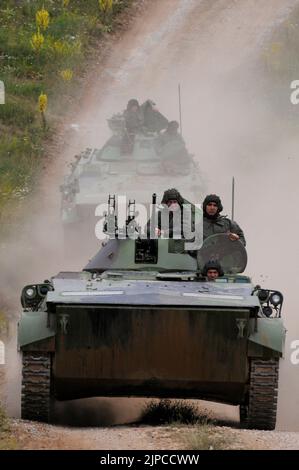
133, 117
214, 223
212, 270
133, 124
154, 121
171, 134
171, 213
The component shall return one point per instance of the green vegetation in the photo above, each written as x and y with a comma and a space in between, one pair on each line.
3, 324
7, 442
43, 49
172, 411
201, 432
205, 437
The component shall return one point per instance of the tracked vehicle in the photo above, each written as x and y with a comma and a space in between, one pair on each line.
124, 165
140, 320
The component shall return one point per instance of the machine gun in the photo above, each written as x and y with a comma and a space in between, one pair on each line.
131, 228
110, 222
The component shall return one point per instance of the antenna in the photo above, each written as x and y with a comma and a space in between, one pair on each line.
153, 216
180, 110
233, 198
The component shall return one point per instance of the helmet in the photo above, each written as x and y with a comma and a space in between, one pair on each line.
150, 103
131, 103
174, 194
173, 126
212, 198
212, 264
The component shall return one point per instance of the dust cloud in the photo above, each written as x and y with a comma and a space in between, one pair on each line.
212, 48
92, 412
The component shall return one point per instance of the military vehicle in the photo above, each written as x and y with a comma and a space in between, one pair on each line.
140, 320
124, 165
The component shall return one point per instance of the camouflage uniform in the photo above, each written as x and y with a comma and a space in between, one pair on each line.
134, 121
154, 121
221, 224
186, 222
213, 225
133, 125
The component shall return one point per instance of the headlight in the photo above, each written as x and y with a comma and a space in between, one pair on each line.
263, 295
267, 311
44, 289
276, 299
33, 295
30, 292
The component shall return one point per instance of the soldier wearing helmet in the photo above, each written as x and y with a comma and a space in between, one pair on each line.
172, 196
171, 134
214, 223
171, 213
154, 121
172, 148
212, 270
133, 117
133, 125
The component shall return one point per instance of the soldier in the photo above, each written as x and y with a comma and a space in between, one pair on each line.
172, 203
171, 134
172, 199
212, 270
133, 124
154, 121
172, 148
133, 117
214, 223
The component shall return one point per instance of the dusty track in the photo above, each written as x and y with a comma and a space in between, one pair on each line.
211, 47
34, 436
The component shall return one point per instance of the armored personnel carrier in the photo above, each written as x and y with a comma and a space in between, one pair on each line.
140, 320
126, 164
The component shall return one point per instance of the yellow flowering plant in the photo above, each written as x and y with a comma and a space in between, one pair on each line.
66, 75
106, 7
42, 19
37, 41
42, 106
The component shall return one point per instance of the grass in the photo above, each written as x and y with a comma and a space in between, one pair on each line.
172, 412
3, 324
7, 441
205, 437
73, 31
202, 433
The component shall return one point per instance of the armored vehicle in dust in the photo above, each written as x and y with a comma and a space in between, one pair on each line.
141, 321
149, 163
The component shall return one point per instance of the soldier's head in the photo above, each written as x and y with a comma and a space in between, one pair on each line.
212, 270
133, 105
212, 206
172, 199
150, 104
173, 127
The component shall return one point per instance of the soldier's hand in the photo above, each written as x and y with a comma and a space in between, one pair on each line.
233, 236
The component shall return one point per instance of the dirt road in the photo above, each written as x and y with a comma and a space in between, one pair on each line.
37, 436
212, 48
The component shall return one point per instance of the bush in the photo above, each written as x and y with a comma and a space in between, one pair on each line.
172, 411
68, 30
7, 442
207, 438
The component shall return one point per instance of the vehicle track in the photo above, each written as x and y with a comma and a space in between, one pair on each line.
211, 47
